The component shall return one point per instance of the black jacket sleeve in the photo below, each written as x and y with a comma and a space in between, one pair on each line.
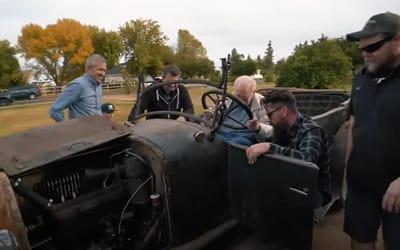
187, 104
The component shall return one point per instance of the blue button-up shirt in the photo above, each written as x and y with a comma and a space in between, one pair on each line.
82, 97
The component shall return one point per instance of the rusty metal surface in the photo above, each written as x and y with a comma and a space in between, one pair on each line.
33, 148
10, 216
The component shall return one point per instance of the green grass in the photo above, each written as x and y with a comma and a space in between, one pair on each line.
17, 118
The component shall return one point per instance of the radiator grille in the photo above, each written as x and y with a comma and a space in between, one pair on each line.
60, 189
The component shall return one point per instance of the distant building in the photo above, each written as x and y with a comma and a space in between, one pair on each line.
114, 75
258, 77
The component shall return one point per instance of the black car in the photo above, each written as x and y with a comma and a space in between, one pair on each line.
24, 92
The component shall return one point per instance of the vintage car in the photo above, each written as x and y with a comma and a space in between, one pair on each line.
90, 183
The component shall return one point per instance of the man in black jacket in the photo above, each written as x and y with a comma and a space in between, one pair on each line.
373, 169
171, 97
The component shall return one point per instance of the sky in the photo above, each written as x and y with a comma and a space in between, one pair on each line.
220, 25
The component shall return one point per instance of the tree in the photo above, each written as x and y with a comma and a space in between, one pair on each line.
191, 56
107, 44
10, 72
167, 55
236, 63
321, 64
241, 66
352, 50
267, 69
143, 43
57, 51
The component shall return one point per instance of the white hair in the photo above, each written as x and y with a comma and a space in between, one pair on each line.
245, 80
91, 60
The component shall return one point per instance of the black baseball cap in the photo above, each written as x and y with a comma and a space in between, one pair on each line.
385, 23
107, 108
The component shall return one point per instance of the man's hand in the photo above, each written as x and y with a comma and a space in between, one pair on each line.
391, 199
253, 124
255, 150
181, 119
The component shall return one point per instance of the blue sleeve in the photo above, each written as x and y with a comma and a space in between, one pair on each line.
70, 95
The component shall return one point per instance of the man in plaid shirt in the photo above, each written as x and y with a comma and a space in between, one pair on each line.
295, 135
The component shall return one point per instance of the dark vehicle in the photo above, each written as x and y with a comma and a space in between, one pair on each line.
161, 184
24, 92
5, 98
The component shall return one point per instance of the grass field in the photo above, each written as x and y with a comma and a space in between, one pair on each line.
17, 118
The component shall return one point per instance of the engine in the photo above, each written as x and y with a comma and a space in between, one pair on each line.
131, 192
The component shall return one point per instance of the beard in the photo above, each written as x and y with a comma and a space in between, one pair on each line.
281, 134
382, 68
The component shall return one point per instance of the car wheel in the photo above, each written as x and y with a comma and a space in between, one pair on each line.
4, 102
32, 96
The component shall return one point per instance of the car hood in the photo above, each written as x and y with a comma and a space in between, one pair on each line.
27, 150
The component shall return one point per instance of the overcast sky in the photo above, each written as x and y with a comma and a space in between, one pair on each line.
220, 25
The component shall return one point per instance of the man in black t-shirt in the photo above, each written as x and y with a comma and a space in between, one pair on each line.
171, 97
373, 145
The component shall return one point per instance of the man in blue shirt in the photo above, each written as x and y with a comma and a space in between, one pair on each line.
82, 96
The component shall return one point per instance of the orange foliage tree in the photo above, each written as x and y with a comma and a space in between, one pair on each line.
57, 51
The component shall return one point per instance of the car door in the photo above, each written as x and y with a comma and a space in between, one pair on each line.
17, 93
274, 197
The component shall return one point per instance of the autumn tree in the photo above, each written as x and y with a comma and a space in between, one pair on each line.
107, 44
57, 51
316, 65
191, 56
143, 43
10, 72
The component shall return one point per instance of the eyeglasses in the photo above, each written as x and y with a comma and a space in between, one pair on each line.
273, 111
375, 46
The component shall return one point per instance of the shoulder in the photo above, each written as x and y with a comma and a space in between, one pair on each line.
182, 87
79, 81
309, 125
256, 105
76, 84
258, 97
360, 76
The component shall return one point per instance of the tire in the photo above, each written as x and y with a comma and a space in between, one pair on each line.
4, 102
32, 96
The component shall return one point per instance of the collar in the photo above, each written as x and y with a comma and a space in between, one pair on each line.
296, 126
381, 76
91, 80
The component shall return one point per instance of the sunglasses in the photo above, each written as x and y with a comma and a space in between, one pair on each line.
375, 46
273, 111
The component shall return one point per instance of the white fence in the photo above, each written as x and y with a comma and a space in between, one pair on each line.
53, 90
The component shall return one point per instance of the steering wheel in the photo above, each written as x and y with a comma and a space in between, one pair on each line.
170, 112
223, 112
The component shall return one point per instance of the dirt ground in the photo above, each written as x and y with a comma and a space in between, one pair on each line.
329, 235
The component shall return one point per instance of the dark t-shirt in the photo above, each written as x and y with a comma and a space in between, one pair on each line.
375, 158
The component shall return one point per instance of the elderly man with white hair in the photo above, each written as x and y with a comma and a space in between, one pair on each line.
258, 128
